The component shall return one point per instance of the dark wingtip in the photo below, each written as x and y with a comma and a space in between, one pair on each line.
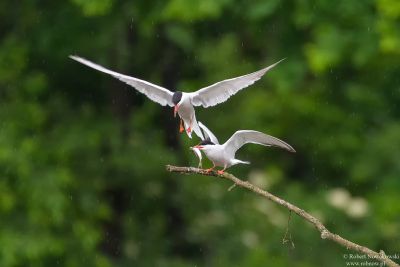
288, 147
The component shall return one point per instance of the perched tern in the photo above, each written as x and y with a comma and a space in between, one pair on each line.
183, 103
224, 155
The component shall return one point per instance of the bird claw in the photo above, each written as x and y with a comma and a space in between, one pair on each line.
189, 130
181, 129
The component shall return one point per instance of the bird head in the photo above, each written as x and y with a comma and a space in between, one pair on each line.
176, 98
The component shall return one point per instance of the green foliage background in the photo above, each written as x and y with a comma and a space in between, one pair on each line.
82, 179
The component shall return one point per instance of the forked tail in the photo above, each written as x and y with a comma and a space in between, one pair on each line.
238, 161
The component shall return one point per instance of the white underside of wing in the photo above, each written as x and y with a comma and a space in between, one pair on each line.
221, 91
154, 92
239, 138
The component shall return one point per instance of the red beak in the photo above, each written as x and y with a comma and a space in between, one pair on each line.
176, 107
198, 146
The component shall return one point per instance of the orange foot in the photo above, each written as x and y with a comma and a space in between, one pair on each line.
189, 130
220, 172
181, 129
209, 170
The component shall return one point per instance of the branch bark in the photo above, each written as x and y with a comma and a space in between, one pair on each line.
325, 233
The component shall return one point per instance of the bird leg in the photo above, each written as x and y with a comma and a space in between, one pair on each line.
220, 172
189, 129
190, 126
210, 169
181, 129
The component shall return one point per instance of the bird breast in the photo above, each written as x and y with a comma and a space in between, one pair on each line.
218, 155
186, 109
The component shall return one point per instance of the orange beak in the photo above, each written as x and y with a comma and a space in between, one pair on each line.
176, 107
198, 146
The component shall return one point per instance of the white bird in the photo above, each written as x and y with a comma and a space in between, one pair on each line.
224, 155
183, 102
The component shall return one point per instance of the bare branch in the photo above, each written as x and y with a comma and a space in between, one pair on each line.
325, 233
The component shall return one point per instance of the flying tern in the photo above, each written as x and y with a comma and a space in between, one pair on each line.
223, 155
184, 102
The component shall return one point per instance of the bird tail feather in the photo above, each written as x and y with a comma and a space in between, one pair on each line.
238, 161
196, 129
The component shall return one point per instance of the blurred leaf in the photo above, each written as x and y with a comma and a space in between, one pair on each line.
94, 7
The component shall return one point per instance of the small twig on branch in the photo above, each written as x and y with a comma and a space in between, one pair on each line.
325, 233
288, 235
231, 187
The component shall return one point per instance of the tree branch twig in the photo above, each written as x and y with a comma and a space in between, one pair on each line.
325, 233
288, 235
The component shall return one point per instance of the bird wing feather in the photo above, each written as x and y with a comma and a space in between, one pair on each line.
220, 92
239, 138
208, 134
154, 92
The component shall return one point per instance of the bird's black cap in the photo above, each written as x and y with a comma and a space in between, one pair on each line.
206, 142
176, 97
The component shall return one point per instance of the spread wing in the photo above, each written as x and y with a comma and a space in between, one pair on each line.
221, 91
242, 137
208, 134
154, 92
